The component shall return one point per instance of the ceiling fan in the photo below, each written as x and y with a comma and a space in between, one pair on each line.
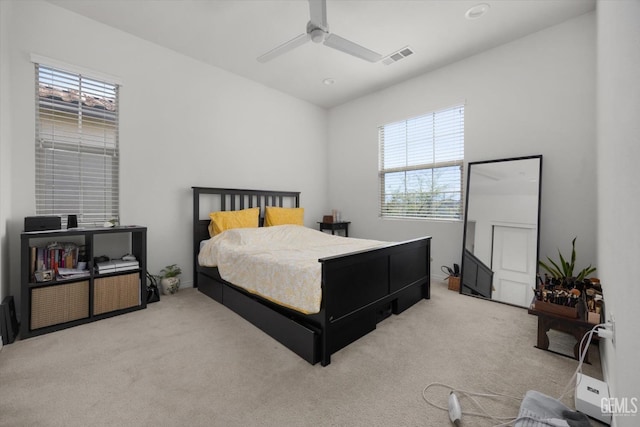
318, 31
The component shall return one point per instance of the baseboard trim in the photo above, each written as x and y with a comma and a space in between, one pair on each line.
186, 284
603, 363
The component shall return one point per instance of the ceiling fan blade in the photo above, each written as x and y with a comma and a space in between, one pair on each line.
318, 13
346, 46
285, 47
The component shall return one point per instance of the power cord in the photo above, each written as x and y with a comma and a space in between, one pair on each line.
506, 421
471, 395
584, 348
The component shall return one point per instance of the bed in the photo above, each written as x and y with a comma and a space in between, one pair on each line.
358, 289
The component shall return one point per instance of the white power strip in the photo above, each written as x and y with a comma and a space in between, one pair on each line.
589, 396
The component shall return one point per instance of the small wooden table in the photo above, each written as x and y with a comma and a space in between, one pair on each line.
575, 327
334, 226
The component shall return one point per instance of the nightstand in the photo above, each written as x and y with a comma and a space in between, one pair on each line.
334, 226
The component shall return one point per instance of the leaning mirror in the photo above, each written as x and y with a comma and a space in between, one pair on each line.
501, 229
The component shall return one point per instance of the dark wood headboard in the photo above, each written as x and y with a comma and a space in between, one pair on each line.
229, 199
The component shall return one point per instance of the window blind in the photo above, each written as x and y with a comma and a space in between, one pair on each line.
77, 159
421, 166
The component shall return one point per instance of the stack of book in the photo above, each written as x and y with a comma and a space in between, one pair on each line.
116, 265
53, 257
71, 273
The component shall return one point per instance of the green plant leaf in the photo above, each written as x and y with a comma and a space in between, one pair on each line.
171, 271
573, 254
585, 272
555, 273
565, 269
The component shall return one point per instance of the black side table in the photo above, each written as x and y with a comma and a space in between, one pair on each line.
333, 226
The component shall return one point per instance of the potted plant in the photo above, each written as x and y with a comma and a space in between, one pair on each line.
169, 280
562, 272
565, 290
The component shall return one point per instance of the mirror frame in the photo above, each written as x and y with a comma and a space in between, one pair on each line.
466, 209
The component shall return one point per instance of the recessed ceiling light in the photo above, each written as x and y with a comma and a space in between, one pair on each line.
477, 11
329, 81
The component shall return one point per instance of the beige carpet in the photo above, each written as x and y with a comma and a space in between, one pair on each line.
188, 361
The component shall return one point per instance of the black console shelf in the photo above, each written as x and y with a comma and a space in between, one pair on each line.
49, 306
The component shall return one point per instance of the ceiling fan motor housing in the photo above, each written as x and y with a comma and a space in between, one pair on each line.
317, 34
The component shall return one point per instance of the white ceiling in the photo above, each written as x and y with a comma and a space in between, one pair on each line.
231, 34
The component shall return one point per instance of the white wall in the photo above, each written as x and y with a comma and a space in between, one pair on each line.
182, 124
535, 95
618, 192
5, 146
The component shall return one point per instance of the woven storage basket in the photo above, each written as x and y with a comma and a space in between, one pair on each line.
116, 293
454, 283
51, 305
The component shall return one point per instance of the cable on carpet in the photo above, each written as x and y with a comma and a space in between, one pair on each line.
506, 421
471, 395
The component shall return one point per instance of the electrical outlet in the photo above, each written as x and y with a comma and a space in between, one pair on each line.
612, 320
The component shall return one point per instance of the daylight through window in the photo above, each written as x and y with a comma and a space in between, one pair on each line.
421, 166
76, 146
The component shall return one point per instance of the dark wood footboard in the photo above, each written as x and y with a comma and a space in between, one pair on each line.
359, 289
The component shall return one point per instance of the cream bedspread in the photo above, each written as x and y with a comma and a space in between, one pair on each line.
279, 263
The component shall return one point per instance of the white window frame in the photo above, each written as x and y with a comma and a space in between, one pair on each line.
421, 167
76, 145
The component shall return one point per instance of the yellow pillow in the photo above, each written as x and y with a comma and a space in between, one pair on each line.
281, 216
225, 220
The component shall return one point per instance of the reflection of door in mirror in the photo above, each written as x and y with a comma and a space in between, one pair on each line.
501, 227
514, 263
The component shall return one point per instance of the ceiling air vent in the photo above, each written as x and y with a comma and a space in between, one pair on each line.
397, 56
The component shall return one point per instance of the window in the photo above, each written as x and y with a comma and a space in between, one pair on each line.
421, 166
76, 146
